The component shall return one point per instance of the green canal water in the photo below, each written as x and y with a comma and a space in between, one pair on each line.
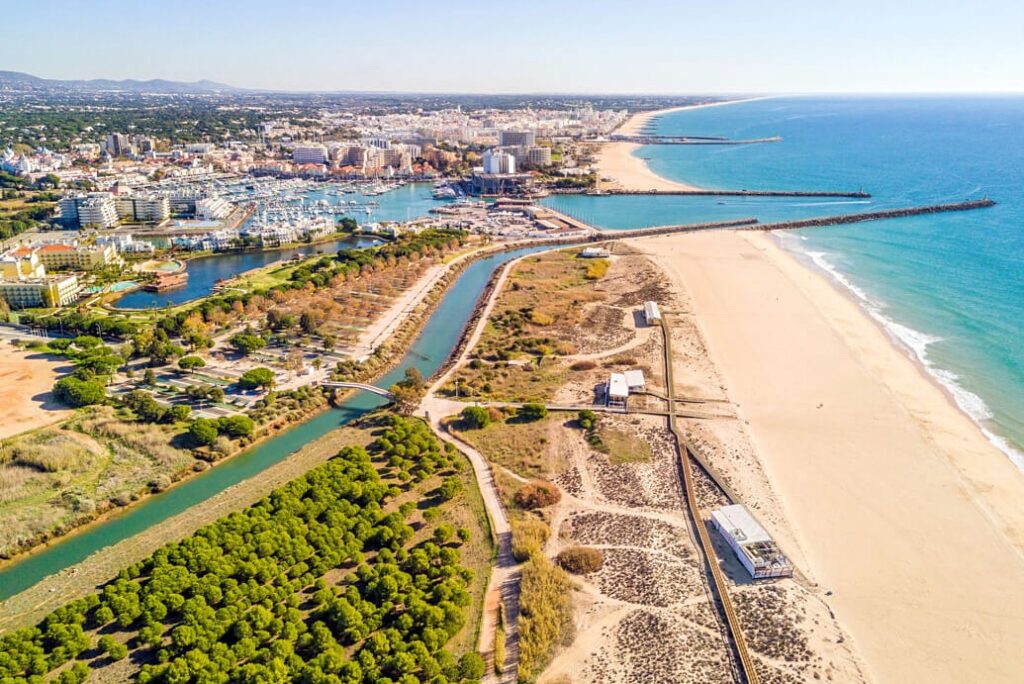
433, 346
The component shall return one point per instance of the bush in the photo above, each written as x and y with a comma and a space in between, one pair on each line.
450, 486
545, 618
471, 666
236, 426
583, 366
75, 392
581, 560
475, 418
532, 412
597, 269
528, 537
586, 419
537, 494
203, 431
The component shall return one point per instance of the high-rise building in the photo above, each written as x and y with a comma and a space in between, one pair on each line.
496, 162
517, 138
310, 154
119, 145
539, 156
95, 210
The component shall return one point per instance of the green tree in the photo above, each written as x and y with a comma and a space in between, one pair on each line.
190, 363
257, 377
203, 431
475, 417
236, 426
247, 343
76, 392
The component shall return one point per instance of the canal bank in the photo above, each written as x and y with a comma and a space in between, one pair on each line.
432, 347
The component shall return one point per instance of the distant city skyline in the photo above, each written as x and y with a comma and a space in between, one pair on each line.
648, 47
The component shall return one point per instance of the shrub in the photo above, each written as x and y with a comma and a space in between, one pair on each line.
597, 269
475, 418
450, 486
203, 431
581, 560
583, 366
236, 426
471, 666
545, 618
586, 419
537, 494
541, 318
528, 537
532, 412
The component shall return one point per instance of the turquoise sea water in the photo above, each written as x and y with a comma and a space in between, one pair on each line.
949, 287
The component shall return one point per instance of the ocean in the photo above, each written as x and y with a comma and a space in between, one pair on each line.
948, 287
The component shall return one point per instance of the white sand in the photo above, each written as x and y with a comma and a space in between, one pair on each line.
893, 498
618, 160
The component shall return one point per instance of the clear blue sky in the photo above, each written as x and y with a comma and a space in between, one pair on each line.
636, 46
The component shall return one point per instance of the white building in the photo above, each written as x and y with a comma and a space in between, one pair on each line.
497, 162
97, 210
125, 243
752, 544
213, 208
635, 381
652, 314
616, 390
310, 154
143, 208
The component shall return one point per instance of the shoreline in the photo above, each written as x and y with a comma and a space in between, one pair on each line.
891, 500
903, 338
618, 160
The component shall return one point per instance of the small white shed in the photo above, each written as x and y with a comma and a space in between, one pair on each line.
617, 391
635, 381
652, 314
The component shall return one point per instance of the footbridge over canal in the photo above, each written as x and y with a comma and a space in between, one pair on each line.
373, 389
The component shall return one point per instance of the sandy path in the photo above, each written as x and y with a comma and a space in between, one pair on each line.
898, 503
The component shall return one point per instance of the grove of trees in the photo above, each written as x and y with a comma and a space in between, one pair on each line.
252, 597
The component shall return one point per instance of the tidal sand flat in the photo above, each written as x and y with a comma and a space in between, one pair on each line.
894, 500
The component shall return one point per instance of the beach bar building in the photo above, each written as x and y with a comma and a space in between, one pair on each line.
651, 313
635, 381
751, 543
616, 391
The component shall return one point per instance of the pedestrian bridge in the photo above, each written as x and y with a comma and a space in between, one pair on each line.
373, 389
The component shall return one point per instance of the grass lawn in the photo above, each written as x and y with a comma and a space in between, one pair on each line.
619, 446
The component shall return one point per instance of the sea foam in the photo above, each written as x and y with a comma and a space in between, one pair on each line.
914, 341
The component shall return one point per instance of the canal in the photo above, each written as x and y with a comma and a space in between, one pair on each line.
430, 350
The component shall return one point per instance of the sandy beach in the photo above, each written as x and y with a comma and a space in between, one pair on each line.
882, 492
618, 161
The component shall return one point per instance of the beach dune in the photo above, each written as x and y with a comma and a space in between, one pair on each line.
896, 505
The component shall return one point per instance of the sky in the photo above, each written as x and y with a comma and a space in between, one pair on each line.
527, 46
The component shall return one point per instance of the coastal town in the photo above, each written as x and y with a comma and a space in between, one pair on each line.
459, 388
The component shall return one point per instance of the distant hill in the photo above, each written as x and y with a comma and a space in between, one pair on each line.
16, 80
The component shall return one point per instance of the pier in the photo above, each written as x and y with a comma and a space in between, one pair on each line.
968, 205
687, 140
